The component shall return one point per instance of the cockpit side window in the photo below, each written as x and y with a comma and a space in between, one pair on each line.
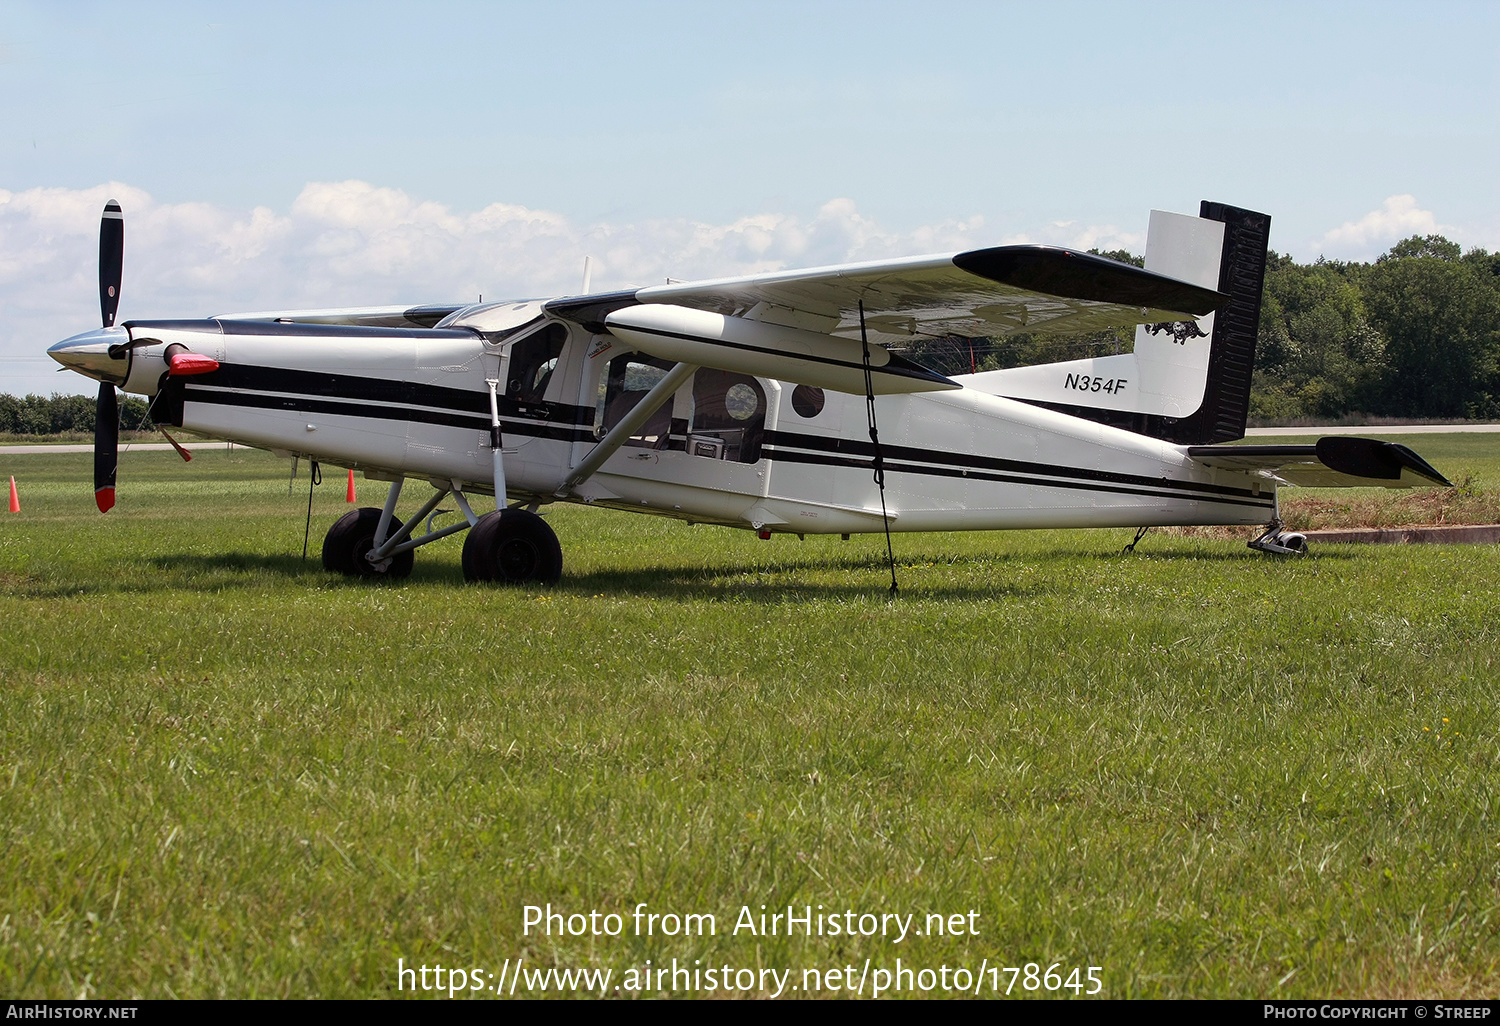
532, 361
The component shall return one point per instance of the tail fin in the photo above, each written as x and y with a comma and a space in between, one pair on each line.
1242, 277
1187, 383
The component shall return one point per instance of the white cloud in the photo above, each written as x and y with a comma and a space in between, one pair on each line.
1081, 236
353, 243
1398, 218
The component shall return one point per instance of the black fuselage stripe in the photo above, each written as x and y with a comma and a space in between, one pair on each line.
353, 386
855, 447
822, 460
329, 394
302, 404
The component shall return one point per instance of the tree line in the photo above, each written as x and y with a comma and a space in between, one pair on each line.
1414, 334
62, 414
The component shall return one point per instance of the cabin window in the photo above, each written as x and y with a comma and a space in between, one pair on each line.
807, 400
532, 361
729, 416
630, 378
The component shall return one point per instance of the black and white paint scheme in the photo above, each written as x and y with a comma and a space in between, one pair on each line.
743, 402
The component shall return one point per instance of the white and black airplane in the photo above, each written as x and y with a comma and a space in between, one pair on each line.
754, 402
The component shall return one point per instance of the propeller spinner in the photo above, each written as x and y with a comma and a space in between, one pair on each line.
103, 353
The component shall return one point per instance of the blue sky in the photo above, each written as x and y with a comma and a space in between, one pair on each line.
697, 138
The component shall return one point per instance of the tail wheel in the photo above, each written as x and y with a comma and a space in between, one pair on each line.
347, 546
512, 546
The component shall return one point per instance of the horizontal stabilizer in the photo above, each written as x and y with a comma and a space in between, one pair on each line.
1334, 462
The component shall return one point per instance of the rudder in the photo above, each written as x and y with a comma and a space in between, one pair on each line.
1231, 362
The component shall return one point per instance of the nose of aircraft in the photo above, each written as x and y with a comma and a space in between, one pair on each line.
89, 354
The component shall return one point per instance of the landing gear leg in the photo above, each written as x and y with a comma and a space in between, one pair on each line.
1280, 543
1140, 533
374, 543
349, 542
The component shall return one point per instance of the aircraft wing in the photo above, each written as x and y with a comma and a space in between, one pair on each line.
365, 316
1334, 462
981, 292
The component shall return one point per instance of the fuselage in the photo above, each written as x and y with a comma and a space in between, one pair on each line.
727, 448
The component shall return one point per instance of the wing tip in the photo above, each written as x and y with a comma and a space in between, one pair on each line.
1074, 274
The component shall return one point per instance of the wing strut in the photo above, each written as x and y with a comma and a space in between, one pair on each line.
628, 425
864, 341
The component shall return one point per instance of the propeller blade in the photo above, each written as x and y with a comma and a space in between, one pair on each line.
111, 259
106, 447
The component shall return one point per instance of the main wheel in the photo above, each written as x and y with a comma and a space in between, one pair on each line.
350, 540
512, 546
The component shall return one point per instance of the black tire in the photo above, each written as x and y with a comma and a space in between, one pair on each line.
352, 536
512, 546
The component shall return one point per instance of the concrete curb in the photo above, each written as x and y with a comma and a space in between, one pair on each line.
1481, 534
1377, 429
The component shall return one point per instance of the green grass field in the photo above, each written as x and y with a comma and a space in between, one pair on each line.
1209, 772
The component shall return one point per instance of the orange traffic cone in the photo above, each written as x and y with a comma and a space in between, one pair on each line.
15, 500
350, 496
